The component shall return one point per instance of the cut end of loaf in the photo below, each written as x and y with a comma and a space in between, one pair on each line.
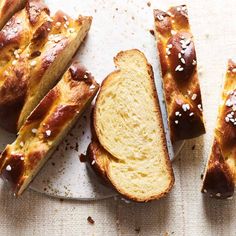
220, 175
218, 180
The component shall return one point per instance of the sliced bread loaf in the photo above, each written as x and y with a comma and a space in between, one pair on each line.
131, 149
25, 81
46, 127
178, 63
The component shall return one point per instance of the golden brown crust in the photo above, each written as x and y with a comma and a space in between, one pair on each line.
162, 135
8, 8
218, 181
16, 164
34, 9
97, 164
14, 38
19, 31
36, 139
21, 77
179, 72
220, 175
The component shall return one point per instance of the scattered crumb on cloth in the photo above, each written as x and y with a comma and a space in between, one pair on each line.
90, 220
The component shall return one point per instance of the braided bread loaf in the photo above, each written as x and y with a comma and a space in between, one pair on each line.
26, 79
46, 127
220, 175
8, 8
20, 30
179, 72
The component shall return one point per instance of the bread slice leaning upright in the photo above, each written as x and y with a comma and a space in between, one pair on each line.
8, 8
46, 127
130, 151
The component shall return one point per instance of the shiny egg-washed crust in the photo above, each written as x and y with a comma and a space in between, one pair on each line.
46, 127
220, 175
26, 80
29, 24
8, 8
20, 30
179, 73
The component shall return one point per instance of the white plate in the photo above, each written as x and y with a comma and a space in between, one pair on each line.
117, 25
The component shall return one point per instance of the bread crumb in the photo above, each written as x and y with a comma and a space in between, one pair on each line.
149, 4
90, 220
151, 32
76, 147
83, 158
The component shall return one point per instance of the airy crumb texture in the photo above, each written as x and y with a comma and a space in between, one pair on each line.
128, 124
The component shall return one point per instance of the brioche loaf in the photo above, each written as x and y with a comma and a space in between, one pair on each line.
28, 78
8, 8
19, 31
179, 73
46, 126
220, 175
131, 151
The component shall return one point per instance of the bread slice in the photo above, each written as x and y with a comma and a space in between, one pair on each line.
220, 175
8, 8
46, 126
131, 150
178, 63
38, 68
